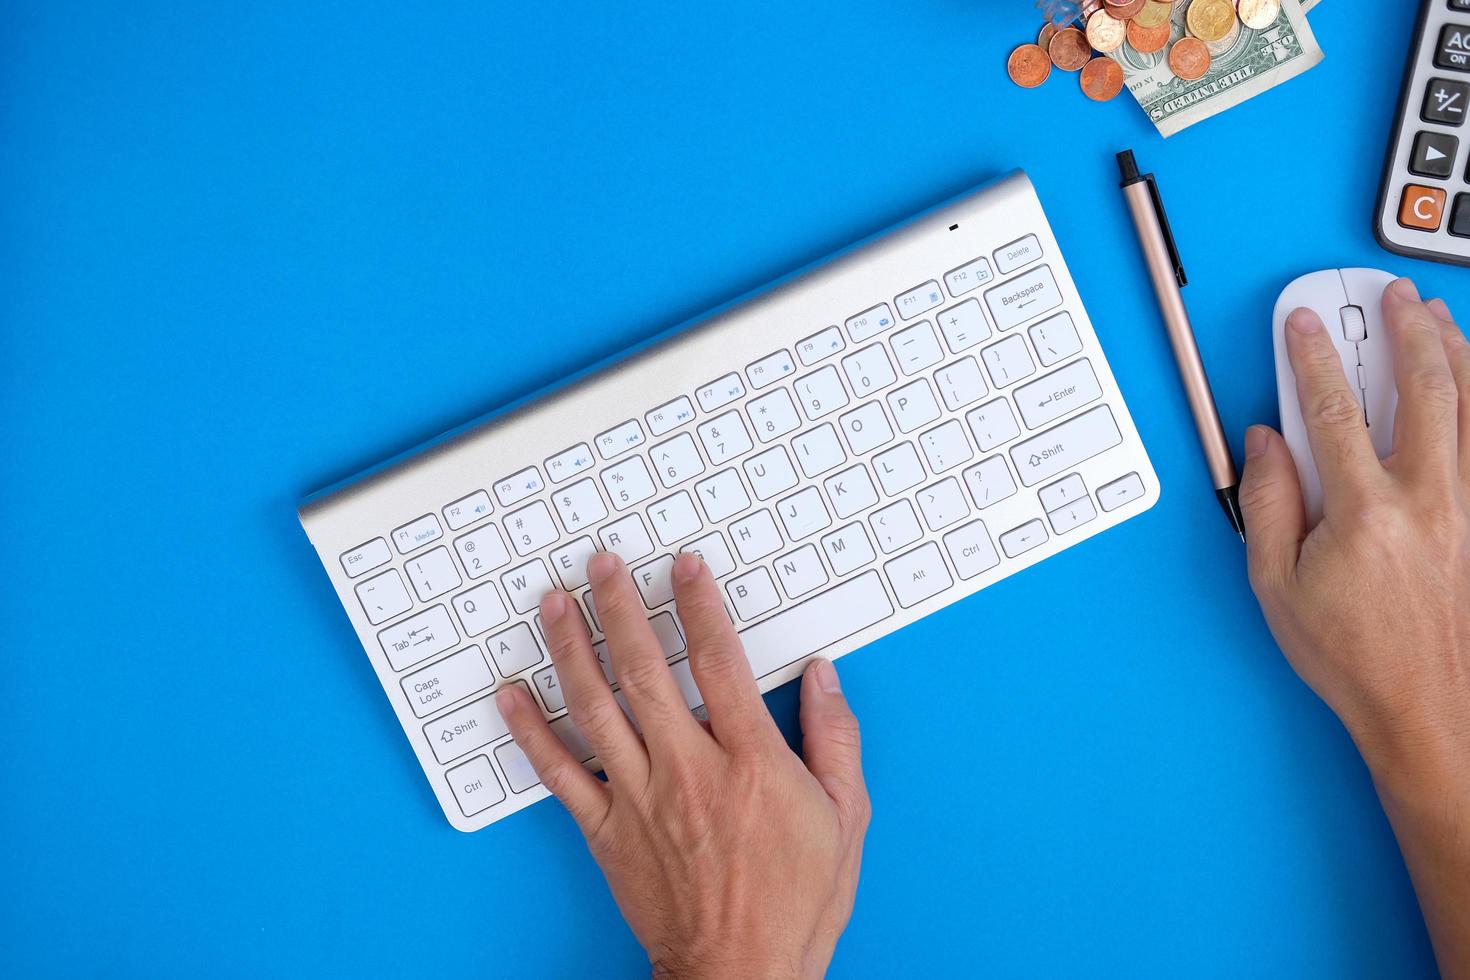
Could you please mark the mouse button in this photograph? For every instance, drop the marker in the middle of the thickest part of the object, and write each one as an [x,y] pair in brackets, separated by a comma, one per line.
[1354,325]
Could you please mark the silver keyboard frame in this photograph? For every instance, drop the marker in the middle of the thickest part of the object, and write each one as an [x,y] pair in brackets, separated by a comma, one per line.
[874,271]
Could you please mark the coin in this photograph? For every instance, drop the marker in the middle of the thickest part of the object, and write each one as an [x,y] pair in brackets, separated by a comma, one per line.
[1069,50]
[1258,14]
[1048,32]
[1102,78]
[1028,65]
[1124,9]
[1210,20]
[1217,48]
[1147,40]
[1189,58]
[1106,32]
[1154,13]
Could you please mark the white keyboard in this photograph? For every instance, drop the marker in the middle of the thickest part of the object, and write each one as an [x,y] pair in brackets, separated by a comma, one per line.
[851,449]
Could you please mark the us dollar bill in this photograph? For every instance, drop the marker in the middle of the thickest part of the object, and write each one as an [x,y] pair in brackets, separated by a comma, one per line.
[1243,65]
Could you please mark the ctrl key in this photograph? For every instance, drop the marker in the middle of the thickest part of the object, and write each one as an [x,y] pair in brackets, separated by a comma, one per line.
[475,786]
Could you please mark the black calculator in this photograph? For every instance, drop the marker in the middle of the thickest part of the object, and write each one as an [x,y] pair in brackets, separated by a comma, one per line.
[1424,202]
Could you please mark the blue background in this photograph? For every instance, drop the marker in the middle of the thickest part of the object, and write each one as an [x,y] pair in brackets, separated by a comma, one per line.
[250,249]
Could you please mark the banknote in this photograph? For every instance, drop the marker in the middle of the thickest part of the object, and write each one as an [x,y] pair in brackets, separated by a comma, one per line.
[1242,66]
[1307,5]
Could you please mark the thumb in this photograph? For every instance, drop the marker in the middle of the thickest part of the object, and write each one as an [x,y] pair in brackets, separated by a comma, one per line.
[831,743]
[1271,502]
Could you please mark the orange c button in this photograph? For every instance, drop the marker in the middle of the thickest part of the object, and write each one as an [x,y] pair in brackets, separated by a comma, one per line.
[1422,207]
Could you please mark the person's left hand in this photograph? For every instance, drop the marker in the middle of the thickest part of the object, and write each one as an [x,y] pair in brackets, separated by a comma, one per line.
[728,855]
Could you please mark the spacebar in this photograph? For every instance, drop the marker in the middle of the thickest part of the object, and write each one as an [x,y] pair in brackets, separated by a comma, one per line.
[818,622]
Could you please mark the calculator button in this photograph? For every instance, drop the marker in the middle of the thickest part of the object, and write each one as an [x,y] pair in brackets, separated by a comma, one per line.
[1453,51]
[1434,154]
[1460,217]
[1422,208]
[1445,102]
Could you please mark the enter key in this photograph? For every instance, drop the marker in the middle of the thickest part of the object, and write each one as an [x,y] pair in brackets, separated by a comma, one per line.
[1057,394]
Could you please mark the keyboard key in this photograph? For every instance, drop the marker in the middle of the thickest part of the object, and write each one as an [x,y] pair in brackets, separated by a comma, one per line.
[810,626]
[848,548]
[1072,515]
[899,468]
[820,345]
[626,538]
[821,392]
[753,594]
[868,370]
[818,451]
[1453,51]
[714,551]
[724,438]
[943,504]
[518,486]
[684,677]
[418,638]
[482,551]
[674,518]
[461,732]
[1019,540]
[1011,257]
[946,447]
[1023,298]
[851,491]
[365,557]
[570,561]
[803,514]
[669,416]
[619,439]
[654,581]
[1444,102]
[722,496]
[968,277]
[1059,393]
[756,536]
[549,686]
[770,369]
[970,549]
[432,574]
[989,481]
[869,323]
[416,534]
[1062,448]
[526,584]
[1055,339]
[480,609]
[918,575]
[1008,361]
[913,405]
[895,526]
[1434,155]
[772,415]
[519,772]
[916,348]
[920,299]
[800,571]
[720,392]
[770,473]
[579,505]
[475,786]
[628,483]
[866,428]
[960,383]
[452,679]
[1067,490]
[963,326]
[1422,207]
[566,730]
[531,528]
[467,510]
[1120,492]
[992,424]
[676,460]
[569,462]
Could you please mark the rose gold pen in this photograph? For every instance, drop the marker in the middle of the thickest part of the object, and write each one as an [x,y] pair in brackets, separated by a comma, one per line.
[1167,272]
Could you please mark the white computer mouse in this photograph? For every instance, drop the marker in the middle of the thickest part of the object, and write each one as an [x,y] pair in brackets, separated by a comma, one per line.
[1350,303]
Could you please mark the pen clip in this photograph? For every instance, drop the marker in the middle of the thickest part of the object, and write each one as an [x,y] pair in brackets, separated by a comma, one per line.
[1153,190]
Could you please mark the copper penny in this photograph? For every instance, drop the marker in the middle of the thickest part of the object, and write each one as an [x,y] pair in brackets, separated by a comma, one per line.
[1125,9]
[1102,79]
[1043,40]
[1028,65]
[1105,32]
[1069,50]
[1147,40]
[1189,58]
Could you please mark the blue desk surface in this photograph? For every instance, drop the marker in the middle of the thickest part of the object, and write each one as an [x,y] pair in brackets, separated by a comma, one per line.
[248,250]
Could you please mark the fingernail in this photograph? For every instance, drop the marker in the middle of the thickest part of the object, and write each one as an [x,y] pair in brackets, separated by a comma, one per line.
[1256,442]
[1304,321]
[553,607]
[687,566]
[601,565]
[826,676]
[1441,309]
[1405,289]
[505,700]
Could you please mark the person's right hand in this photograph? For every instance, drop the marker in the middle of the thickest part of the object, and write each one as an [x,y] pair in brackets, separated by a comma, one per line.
[1372,605]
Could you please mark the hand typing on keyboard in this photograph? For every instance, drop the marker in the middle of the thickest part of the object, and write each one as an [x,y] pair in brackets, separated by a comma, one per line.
[1372,606]
[726,853]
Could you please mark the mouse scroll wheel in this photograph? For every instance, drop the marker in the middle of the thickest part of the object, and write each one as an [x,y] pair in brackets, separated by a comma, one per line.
[1354,327]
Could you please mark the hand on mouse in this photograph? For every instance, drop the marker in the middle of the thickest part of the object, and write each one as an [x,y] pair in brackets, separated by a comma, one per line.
[1372,605]
[726,853]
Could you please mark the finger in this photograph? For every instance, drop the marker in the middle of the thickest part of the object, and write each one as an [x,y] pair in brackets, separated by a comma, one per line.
[637,659]
[716,657]
[1331,411]
[1425,438]
[590,700]
[583,794]
[831,743]
[1271,501]
[1457,350]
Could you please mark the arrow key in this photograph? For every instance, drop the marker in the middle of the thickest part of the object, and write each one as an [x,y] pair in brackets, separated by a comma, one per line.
[1434,155]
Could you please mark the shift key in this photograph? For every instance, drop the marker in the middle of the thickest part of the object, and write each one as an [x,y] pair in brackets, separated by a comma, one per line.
[1058,450]
[477,723]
